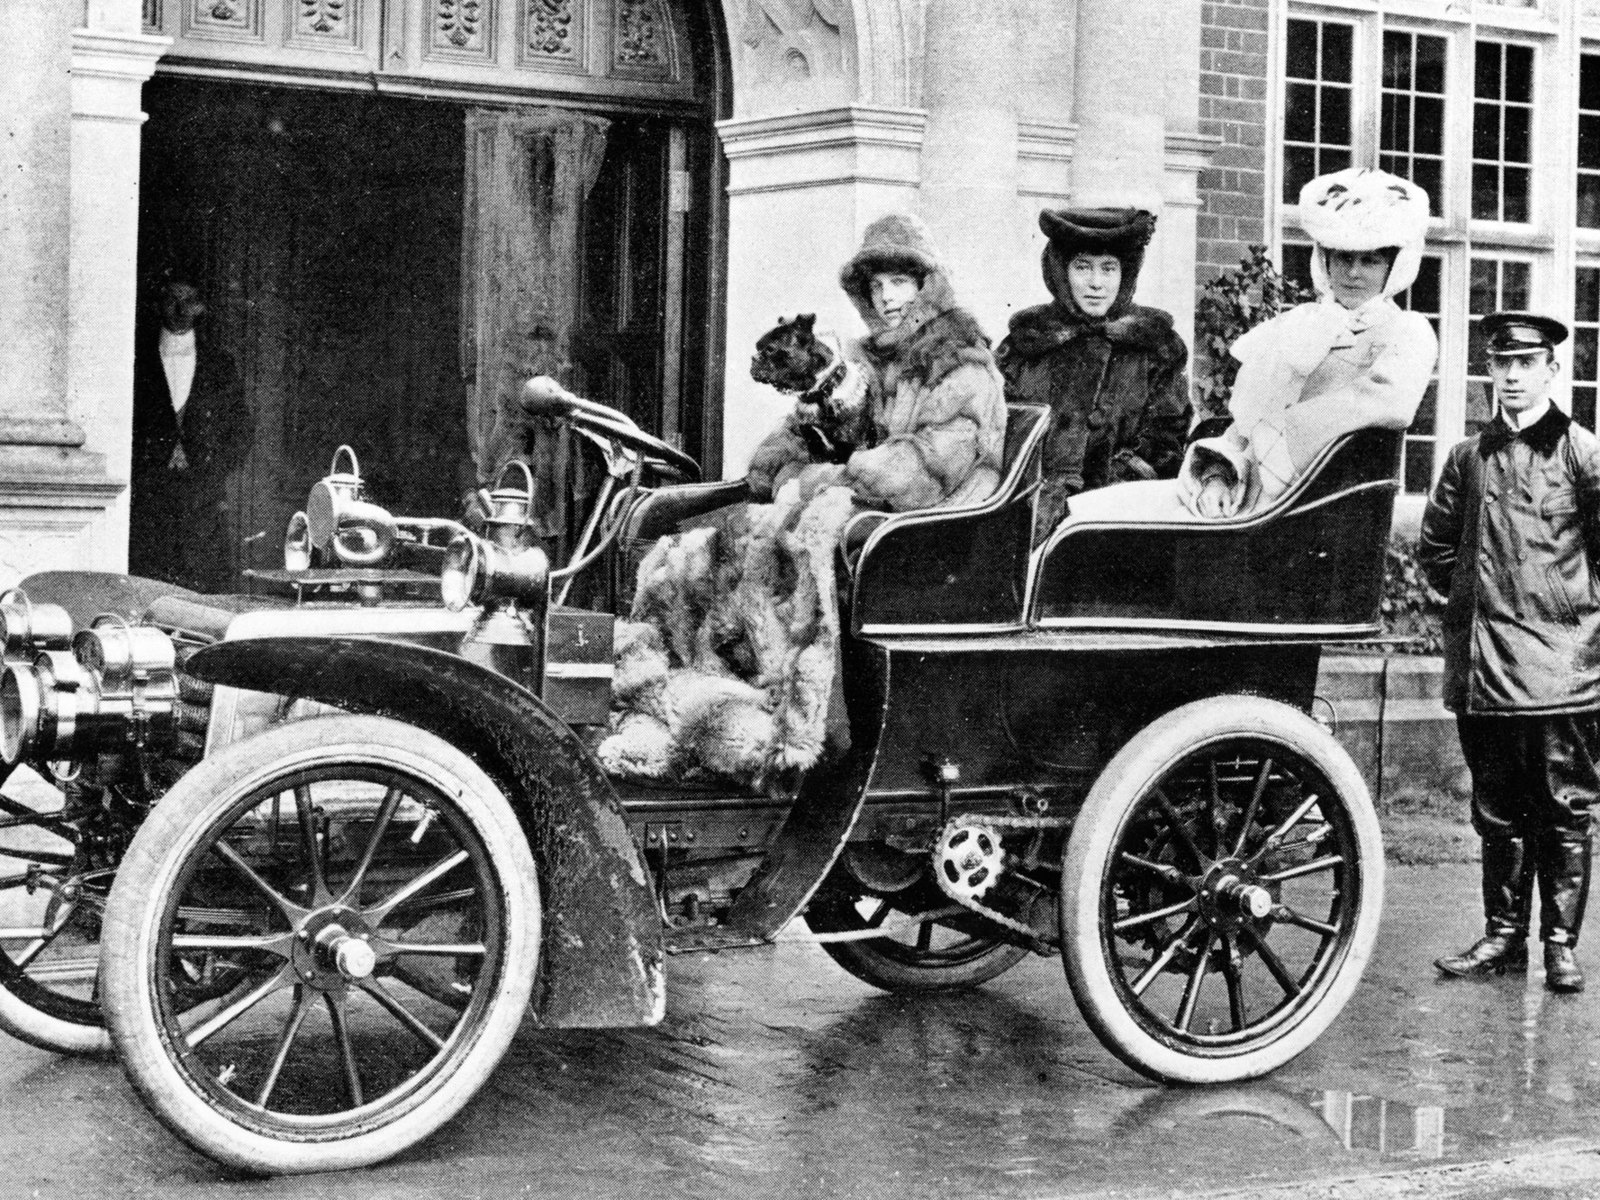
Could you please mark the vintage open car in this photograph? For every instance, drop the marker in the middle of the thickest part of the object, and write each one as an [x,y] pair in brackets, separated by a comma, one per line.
[309,857]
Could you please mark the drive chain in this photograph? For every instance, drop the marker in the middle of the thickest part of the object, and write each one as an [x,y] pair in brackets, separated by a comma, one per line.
[996,822]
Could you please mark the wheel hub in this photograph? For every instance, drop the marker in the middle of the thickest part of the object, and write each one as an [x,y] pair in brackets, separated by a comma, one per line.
[332,949]
[1230,896]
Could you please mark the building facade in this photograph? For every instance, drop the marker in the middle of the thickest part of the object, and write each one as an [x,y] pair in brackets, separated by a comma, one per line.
[351,180]
[1492,107]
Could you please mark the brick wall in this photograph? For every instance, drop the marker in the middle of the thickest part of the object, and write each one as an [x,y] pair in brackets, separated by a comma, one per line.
[1233,106]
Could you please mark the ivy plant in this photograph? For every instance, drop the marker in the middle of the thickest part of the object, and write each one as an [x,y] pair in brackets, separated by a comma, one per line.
[1236,300]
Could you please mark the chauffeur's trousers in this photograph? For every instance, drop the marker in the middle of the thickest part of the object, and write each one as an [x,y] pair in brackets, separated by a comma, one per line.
[1534,780]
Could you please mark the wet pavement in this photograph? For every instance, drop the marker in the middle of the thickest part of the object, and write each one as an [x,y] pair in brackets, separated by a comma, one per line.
[777,1075]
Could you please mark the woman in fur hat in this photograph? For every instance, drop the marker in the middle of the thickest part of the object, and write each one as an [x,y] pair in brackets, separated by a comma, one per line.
[938,400]
[1352,359]
[1111,371]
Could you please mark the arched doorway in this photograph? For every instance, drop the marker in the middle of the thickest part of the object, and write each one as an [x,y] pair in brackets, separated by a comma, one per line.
[333,179]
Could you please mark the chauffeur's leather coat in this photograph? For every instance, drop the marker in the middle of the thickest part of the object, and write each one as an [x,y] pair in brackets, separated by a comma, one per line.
[1512,535]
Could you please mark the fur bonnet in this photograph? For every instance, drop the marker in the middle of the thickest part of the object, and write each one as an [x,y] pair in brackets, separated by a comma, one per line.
[1363,209]
[897,242]
[1120,232]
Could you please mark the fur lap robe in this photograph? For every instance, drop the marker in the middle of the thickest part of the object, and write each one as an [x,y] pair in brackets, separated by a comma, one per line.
[726,668]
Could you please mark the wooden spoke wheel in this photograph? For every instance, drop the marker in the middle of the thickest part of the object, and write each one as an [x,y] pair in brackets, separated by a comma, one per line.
[946,955]
[320,945]
[1221,892]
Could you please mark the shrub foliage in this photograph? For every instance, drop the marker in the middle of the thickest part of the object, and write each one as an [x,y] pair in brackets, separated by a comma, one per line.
[1235,301]
[1410,609]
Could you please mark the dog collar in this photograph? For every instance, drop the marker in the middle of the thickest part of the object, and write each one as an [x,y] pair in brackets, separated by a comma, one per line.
[824,386]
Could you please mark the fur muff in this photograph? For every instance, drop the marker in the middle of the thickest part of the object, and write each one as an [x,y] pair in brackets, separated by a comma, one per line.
[726,667]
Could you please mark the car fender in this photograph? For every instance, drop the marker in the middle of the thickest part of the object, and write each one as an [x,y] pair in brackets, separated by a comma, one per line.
[601,963]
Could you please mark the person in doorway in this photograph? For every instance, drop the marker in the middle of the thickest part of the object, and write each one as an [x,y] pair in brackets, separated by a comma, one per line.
[1509,536]
[191,429]
[1111,371]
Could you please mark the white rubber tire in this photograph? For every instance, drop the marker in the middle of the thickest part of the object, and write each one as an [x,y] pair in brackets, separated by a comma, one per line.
[183,820]
[1146,759]
[27,1024]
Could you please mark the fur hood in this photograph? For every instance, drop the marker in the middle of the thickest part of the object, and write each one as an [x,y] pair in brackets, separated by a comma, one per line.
[1035,332]
[929,349]
[935,336]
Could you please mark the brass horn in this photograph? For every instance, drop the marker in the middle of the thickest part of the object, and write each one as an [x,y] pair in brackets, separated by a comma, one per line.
[342,523]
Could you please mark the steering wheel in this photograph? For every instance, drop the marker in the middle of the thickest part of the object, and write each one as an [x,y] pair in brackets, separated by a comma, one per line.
[544,397]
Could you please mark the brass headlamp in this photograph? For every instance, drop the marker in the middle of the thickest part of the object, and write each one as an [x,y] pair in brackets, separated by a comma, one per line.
[118,684]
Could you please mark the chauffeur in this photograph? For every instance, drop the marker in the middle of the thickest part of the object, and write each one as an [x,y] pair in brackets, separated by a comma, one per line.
[1510,535]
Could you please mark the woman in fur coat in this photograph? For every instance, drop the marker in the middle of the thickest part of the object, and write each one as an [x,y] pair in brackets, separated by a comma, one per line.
[1112,371]
[1353,359]
[938,402]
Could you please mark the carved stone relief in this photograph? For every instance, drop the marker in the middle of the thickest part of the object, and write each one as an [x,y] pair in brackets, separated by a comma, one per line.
[151,15]
[793,53]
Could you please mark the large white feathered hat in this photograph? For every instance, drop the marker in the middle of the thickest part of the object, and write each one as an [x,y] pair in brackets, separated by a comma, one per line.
[1363,209]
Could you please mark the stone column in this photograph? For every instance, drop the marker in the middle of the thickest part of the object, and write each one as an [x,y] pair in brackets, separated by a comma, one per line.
[111,60]
[1137,90]
[64,209]
[969,156]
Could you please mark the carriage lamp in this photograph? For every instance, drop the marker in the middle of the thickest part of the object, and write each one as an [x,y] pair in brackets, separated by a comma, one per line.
[118,683]
[477,571]
[26,627]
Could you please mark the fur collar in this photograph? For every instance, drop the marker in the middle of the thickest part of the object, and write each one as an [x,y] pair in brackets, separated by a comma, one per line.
[1542,435]
[935,347]
[1037,331]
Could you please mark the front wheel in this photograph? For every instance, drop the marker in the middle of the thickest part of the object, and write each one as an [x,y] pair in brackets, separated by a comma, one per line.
[320,944]
[1221,891]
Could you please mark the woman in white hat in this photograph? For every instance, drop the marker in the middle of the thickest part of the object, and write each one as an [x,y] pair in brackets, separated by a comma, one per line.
[1352,359]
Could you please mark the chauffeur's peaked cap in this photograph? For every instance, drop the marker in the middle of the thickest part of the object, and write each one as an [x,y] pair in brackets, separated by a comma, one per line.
[1508,333]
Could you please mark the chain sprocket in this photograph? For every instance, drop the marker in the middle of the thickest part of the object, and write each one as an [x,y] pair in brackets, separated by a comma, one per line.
[961,885]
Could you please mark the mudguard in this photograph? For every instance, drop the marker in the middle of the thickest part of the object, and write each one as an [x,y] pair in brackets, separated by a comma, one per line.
[601,961]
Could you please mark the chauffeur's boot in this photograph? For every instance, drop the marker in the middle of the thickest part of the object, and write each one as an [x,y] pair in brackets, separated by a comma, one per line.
[1563,895]
[1507,895]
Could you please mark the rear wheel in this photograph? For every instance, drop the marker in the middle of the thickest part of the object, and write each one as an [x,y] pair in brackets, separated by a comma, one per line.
[944,955]
[1221,892]
[320,945]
